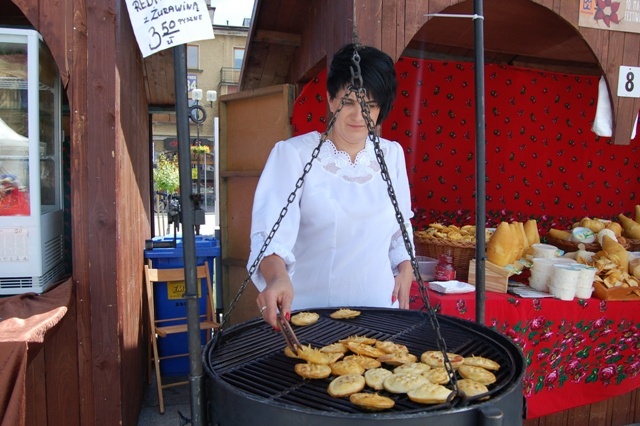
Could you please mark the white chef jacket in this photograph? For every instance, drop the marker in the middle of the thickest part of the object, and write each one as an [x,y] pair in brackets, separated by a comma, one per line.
[340,239]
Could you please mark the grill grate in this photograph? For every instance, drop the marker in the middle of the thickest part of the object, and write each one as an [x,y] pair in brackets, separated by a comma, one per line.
[249,357]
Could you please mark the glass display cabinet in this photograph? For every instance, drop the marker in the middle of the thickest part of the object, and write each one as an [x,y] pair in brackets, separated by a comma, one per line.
[31,200]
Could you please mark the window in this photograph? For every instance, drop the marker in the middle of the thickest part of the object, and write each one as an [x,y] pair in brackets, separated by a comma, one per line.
[193,56]
[238,56]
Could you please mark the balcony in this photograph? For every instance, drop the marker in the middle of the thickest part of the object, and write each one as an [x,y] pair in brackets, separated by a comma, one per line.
[229,76]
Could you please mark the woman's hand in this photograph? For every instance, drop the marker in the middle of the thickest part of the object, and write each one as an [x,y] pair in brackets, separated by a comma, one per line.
[278,294]
[402,286]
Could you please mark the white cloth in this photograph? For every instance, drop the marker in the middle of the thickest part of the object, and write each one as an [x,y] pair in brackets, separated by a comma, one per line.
[339,239]
[603,121]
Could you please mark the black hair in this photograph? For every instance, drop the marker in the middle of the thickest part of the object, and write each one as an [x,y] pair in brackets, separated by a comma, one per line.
[377,70]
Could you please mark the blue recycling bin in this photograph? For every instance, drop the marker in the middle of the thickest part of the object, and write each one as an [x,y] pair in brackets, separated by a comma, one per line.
[169,302]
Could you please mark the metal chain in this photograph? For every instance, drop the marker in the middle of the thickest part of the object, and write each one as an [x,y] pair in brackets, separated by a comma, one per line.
[384,171]
[357,87]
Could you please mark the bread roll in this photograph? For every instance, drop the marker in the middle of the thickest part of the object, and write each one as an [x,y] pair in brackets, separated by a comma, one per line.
[531,231]
[501,245]
[604,232]
[525,241]
[616,252]
[559,234]
[630,226]
[615,227]
[637,215]
[634,267]
[519,244]
[595,225]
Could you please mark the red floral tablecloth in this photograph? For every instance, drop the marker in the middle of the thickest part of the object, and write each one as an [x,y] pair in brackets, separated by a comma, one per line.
[577,352]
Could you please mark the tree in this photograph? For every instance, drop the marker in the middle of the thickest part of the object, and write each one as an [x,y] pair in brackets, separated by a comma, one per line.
[166,174]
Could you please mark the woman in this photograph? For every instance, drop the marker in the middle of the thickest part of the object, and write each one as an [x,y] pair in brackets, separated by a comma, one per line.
[339,243]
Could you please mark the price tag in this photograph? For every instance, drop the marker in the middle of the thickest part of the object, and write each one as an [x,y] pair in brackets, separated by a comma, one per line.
[629,82]
[160,24]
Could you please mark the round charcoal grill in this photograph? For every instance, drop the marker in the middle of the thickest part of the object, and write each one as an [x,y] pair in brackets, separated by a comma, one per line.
[252,382]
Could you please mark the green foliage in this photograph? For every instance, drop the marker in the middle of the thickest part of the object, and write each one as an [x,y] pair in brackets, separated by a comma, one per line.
[166,174]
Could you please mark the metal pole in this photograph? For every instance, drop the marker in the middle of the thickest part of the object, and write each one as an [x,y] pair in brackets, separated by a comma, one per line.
[216,171]
[480,160]
[188,237]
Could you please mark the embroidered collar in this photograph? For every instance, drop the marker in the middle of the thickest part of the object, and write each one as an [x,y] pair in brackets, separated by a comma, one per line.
[338,163]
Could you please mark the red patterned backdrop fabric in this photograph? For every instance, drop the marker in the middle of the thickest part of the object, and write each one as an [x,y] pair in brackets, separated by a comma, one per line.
[542,159]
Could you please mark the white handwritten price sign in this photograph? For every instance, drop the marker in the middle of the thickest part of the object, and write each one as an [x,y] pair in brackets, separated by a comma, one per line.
[629,82]
[161,24]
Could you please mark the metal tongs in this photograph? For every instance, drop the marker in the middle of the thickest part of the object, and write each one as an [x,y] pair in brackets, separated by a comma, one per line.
[289,336]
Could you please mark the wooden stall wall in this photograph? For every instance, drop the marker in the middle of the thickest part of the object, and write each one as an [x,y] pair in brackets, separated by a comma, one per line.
[251,123]
[133,218]
[623,410]
[52,375]
[96,52]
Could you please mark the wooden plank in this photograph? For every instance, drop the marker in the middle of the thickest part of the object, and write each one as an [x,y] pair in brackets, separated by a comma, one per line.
[570,11]
[400,38]
[132,162]
[278,37]
[635,405]
[620,410]
[549,4]
[248,147]
[245,149]
[78,97]
[246,307]
[627,108]
[36,386]
[599,414]
[367,22]
[240,263]
[578,416]
[240,173]
[62,371]
[389,29]
[240,197]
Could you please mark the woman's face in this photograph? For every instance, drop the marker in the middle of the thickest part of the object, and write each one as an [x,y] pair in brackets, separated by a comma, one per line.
[350,126]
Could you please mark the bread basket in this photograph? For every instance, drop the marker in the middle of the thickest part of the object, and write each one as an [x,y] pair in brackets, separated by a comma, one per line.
[571,246]
[462,252]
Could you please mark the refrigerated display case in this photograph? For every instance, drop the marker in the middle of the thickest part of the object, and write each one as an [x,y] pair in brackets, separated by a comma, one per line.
[32,255]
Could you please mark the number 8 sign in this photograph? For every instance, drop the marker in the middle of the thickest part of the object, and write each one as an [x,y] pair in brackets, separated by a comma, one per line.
[629,82]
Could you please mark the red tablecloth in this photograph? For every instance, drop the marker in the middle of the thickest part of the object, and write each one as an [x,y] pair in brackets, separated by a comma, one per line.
[577,352]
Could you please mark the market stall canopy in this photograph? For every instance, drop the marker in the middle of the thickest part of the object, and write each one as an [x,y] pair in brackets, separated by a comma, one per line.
[516,32]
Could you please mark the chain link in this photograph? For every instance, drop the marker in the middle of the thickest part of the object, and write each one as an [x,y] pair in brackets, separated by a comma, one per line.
[384,171]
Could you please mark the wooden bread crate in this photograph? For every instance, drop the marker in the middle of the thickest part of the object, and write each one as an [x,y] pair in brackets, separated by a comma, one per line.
[496,278]
[602,292]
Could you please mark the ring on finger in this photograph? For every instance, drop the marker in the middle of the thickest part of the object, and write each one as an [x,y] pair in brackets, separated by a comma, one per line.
[264,308]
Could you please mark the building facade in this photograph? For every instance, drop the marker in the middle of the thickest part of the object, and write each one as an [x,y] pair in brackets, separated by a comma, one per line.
[213,69]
